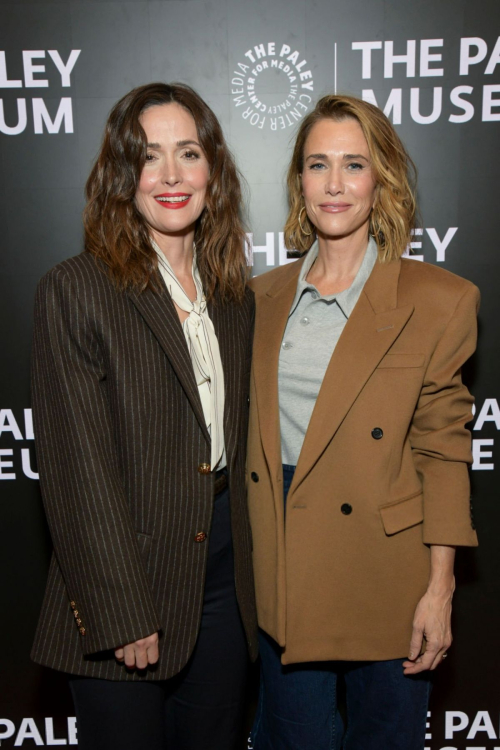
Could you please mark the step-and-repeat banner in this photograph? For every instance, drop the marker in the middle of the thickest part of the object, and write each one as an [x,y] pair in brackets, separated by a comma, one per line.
[433,66]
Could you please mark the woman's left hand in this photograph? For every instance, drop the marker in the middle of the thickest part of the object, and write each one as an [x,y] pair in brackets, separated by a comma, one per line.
[432,618]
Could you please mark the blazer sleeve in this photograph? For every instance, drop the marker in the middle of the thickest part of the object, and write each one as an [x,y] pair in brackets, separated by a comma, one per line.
[92,531]
[441,444]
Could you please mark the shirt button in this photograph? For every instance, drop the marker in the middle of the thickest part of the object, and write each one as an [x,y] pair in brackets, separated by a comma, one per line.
[287,345]
[314,295]
[346,509]
[305,321]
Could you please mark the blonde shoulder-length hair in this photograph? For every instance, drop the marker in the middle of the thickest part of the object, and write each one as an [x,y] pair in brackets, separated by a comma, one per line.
[393,216]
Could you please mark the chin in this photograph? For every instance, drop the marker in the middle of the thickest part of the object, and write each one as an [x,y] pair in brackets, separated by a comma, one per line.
[334,232]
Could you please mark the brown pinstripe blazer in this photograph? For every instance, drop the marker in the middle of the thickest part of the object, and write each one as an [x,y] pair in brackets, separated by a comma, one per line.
[120,434]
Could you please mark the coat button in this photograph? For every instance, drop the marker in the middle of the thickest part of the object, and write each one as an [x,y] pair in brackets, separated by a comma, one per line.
[82,630]
[254,476]
[200,536]
[78,621]
[75,613]
[72,605]
[346,509]
[377,433]
[204,468]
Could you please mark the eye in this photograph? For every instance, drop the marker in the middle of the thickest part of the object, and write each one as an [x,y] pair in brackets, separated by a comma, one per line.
[150,157]
[191,155]
[355,166]
[317,166]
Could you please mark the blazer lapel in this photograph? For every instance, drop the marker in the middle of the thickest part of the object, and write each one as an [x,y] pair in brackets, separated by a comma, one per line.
[225,326]
[374,325]
[270,323]
[160,315]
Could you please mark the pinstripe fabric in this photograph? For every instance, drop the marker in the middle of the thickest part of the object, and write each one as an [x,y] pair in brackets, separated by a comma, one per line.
[120,434]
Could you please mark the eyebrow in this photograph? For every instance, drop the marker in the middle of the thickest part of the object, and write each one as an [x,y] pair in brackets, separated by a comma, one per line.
[355,156]
[346,156]
[179,144]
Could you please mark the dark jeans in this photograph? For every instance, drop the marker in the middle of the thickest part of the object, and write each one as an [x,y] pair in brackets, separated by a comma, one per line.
[202,707]
[298,703]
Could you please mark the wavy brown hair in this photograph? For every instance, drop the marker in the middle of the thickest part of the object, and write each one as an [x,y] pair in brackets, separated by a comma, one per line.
[394,213]
[116,232]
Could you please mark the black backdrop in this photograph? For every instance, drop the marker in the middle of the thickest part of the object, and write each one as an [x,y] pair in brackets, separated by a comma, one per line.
[435,69]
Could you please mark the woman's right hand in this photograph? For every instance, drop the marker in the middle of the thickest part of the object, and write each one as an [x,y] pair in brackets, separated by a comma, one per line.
[139,654]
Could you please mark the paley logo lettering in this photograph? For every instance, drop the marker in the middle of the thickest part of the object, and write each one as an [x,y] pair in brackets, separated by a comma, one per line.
[29,732]
[428,243]
[44,119]
[423,59]
[273,86]
[480,727]
[13,460]
[487,423]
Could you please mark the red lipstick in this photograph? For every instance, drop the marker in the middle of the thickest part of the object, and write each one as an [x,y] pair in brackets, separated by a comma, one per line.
[173,200]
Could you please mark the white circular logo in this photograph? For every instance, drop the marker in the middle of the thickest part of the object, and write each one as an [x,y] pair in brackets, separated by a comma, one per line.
[273,88]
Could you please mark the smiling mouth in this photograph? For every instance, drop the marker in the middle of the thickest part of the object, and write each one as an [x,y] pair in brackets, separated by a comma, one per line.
[172,199]
[334,207]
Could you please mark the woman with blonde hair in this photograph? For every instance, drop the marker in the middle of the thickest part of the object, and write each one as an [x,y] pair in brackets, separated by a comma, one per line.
[358,450]
[141,371]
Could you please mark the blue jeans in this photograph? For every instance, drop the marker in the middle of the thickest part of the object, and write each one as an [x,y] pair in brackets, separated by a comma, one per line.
[298,703]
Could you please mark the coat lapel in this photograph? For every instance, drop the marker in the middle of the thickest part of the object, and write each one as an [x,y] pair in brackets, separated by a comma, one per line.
[225,326]
[159,313]
[374,325]
[271,318]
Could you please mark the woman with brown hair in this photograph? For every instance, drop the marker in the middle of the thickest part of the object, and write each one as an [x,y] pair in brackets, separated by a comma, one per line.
[140,384]
[358,449]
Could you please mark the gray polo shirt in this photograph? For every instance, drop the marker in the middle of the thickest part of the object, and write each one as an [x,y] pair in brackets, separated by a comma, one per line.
[314,326]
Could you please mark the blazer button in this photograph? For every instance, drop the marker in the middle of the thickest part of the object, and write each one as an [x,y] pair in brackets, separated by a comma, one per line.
[254,476]
[377,433]
[200,536]
[204,468]
[82,630]
[346,509]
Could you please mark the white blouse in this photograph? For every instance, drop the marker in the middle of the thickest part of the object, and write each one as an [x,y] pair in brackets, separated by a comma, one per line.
[204,349]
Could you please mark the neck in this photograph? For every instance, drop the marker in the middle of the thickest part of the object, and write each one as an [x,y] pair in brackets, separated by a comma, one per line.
[178,250]
[339,258]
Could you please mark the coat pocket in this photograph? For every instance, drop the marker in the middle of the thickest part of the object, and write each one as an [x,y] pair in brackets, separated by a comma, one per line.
[402,514]
[402,360]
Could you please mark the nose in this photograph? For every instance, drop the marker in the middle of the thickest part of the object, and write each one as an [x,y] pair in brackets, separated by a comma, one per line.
[171,174]
[335,182]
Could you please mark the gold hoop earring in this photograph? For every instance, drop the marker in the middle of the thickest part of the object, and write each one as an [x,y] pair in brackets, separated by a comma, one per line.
[307,234]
